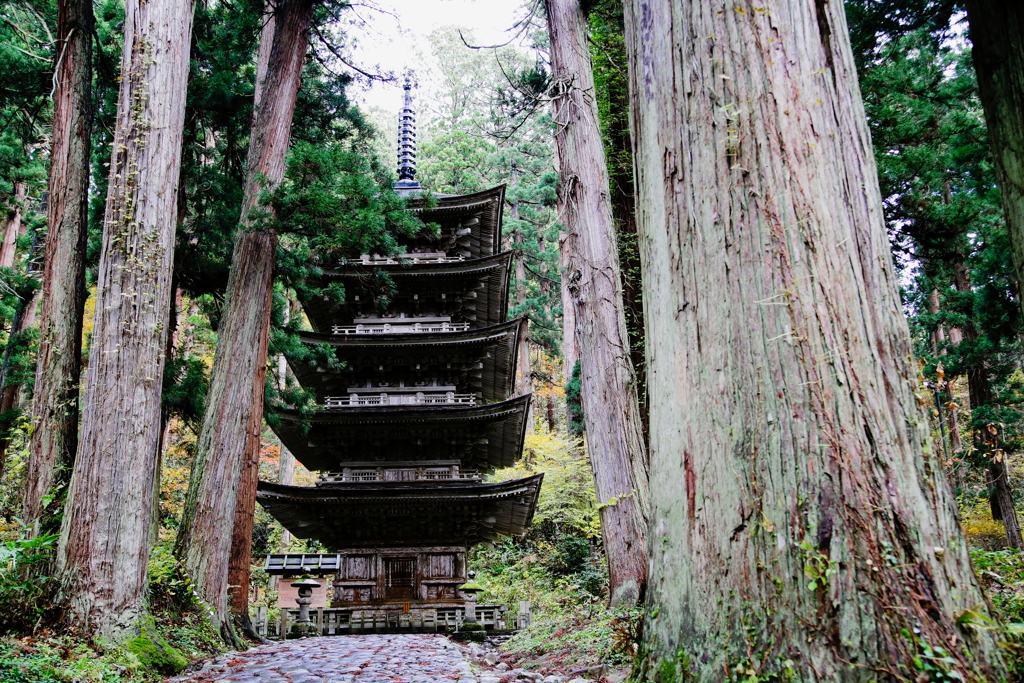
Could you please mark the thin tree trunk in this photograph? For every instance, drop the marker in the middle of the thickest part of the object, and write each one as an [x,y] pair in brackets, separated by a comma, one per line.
[285,460]
[802,528]
[570,346]
[1000,493]
[104,545]
[15,227]
[54,437]
[997,37]
[955,442]
[988,437]
[240,560]
[524,373]
[939,335]
[286,475]
[237,383]
[24,319]
[591,274]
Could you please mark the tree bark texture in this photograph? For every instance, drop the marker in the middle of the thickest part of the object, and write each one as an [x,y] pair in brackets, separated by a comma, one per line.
[997,36]
[235,400]
[524,371]
[263,56]
[570,348]
[802,526]
[285,459]
[594,286]
[240,560]
[104,545]
[55,396]
[14,226]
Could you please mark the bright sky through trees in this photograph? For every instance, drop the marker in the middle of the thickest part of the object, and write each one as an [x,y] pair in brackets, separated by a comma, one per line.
[398,41]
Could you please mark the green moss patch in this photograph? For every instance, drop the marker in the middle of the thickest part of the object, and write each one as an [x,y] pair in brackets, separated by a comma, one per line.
[156,654]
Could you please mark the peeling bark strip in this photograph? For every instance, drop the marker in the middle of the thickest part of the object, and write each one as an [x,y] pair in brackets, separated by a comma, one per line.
[234,404]
[593,287]
[997,36]
[104,545]
[821,537]
[55,396]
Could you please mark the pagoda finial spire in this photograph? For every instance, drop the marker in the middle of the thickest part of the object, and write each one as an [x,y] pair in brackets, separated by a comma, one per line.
[407,142]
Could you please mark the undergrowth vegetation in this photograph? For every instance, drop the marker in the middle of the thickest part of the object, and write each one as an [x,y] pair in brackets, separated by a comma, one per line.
[558,567]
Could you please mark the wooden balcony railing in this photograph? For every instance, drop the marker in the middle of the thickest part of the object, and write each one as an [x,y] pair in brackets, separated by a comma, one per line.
[375,260]
[399,399]
[392,328]
[403,474]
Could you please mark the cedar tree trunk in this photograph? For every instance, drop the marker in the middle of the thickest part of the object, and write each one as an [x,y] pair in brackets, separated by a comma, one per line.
[524,371]
[234,404]
[105,535]
[802,528]
[988,437]
[240,560]
[285,461]
[55,396]
[591,276]
[24,319]
[997,36]
[14,226]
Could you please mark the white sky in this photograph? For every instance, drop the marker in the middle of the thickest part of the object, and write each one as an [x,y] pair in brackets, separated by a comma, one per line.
[397,42]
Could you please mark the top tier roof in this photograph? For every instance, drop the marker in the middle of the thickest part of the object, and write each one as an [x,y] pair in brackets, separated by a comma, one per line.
[470,223]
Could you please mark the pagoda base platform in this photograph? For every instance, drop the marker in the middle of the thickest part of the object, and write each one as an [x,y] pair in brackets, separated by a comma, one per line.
[495,619]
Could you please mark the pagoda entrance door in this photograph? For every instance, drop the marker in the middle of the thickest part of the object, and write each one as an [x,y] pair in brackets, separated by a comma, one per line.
[399,578]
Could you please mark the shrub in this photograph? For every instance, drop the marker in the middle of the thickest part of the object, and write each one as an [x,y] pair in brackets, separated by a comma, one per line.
[23,584]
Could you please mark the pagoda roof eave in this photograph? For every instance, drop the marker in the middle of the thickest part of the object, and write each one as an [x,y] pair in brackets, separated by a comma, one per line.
[479,335]
[427,514]
[488,277]
[483,437]
[451,269]
[450,200]
[360,493]
[490,204]
[494,347]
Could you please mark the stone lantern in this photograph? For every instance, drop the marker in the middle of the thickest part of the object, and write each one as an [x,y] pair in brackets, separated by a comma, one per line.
[303,625]
[469,590]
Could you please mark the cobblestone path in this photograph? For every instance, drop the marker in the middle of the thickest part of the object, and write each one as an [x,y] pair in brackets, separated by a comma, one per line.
[402,658]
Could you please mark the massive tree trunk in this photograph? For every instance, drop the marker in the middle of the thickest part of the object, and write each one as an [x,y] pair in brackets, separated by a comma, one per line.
[235,400]
[14,226]
[104,546]
[613,98]
[55,396]
[802,527]
[997,36]
[594,286]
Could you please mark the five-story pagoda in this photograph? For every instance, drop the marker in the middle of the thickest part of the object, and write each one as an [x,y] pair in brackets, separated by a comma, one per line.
[418,413]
